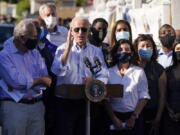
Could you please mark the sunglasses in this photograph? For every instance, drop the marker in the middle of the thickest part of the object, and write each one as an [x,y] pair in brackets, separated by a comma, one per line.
[83,29]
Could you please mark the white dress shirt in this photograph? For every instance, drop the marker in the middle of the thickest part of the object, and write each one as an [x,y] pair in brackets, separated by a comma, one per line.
[75,69]
[135,88]
[165,59]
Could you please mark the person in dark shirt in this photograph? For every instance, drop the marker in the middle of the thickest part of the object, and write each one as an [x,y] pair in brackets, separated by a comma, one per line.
[146,55]
[172,113]
[167,36]
[98,32]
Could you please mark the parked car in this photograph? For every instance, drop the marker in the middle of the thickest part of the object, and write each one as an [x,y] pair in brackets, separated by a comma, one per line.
[6,31]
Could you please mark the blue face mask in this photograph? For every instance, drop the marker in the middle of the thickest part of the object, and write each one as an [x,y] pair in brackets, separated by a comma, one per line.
[122,35]
[124,57]
[145,53]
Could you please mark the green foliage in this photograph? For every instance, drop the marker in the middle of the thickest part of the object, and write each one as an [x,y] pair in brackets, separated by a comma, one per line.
[81,2]
[19,19]
[23,5]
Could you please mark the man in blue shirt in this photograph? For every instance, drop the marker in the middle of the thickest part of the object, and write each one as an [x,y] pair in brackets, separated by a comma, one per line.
[23,77]
[69,67]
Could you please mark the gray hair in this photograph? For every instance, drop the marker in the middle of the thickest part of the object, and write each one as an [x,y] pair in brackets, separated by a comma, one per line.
[79,18]
[47,5]
[24,27]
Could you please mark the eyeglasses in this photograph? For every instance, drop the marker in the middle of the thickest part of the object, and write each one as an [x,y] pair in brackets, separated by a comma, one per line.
[83,29]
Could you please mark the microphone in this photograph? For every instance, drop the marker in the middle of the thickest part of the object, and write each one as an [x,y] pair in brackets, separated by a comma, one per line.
[92,68]
[97,62]
[88,64]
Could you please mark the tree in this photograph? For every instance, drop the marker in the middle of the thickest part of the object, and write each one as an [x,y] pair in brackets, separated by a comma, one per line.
[81,2]
[23,6]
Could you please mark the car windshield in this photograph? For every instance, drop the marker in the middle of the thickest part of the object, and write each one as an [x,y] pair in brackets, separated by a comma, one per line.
[6,32]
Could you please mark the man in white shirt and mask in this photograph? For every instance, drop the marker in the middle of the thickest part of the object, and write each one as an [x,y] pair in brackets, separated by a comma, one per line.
[56,34]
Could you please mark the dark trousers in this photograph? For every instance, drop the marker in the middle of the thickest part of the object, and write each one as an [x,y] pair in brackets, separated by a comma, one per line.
[99,119]
[170,127]
[70,117]
[137,130]
[148,117]
[49,102]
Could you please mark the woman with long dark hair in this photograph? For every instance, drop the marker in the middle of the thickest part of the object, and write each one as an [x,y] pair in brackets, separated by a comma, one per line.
[121,30]
[146,55]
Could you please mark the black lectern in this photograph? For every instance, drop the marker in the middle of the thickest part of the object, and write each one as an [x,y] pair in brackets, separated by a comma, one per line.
[91,92]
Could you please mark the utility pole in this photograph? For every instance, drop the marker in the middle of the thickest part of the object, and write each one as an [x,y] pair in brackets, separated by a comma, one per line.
[0,7]
[175,13]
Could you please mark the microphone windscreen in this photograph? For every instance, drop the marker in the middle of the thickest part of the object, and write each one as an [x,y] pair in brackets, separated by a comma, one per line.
[96,61]
[87,62]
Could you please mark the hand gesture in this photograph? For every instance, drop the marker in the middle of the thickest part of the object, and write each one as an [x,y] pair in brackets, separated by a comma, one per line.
[70,39]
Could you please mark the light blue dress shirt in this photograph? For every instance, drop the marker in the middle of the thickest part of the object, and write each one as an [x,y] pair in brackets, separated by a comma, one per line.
[17,70]
[75,69]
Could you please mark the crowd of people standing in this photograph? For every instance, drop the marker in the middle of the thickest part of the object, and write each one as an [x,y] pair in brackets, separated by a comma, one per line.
[42,55]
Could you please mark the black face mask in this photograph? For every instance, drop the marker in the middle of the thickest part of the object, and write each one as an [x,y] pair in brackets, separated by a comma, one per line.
[31,44]
[177,55]
[167,40]
[98,36]
[124,57]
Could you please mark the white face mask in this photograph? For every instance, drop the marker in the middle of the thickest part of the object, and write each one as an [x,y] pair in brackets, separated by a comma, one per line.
[51,22]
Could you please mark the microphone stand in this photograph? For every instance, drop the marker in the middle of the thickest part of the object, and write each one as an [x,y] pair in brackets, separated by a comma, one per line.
[88,118]
[88,103]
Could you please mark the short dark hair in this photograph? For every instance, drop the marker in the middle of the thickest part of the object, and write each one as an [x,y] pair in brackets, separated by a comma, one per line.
[166,26]
[100,20]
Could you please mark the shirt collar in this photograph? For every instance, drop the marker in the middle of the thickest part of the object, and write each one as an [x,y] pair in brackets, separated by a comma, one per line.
[78,47]
[116,69]
[161,52]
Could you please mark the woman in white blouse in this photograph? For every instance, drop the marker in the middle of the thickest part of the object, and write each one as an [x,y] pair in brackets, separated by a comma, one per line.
[125,112]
